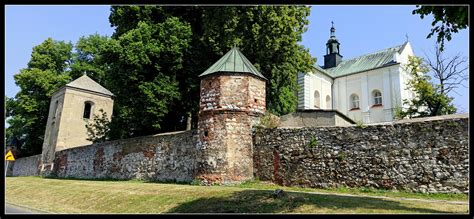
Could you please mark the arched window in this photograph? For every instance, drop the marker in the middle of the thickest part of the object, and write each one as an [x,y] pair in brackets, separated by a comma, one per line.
[316,100]
[354,101]
[377,96]
[87,110]
[328,102]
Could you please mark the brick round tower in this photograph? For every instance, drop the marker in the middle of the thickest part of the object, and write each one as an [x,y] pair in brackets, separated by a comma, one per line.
[232,99]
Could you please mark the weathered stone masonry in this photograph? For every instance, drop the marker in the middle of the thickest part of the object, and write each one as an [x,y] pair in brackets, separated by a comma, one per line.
[230,104]
[162,157]
[427,156]
[27,166]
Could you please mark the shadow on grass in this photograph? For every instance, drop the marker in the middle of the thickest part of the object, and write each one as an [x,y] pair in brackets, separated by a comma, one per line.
[261,201]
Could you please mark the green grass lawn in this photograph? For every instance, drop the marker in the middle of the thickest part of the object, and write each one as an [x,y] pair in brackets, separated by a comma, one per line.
[92,196]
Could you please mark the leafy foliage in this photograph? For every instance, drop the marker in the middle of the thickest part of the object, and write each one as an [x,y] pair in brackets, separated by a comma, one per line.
[452,18]
[360,124]
[98,129]
[27,112]
[429,100]
[145,64]
[267,35]
[313,142]
[269,120]
[91,57]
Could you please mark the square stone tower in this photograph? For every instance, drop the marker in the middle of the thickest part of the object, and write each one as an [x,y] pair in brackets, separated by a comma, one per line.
[232,100]
[71,108]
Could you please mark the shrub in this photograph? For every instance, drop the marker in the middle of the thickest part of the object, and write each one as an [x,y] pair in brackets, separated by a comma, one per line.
[341,156]
[313,142]
[360,124]
[269,120]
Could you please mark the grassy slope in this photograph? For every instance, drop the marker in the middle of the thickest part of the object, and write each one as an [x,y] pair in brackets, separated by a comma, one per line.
[83,196]
[361,191]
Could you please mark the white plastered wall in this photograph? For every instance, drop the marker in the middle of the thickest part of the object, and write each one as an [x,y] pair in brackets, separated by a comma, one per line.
[308,84]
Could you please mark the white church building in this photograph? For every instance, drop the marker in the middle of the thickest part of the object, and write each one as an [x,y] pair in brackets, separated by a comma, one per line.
[367,88]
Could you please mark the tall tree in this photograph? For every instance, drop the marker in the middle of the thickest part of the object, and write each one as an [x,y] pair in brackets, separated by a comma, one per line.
[447,20]
[429,99]
[91,57]
[449,72]
[144,64]
[268,35]
[27,112]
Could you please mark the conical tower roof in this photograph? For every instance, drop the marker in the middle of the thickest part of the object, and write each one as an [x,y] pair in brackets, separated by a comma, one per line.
[86,83]
[233,61]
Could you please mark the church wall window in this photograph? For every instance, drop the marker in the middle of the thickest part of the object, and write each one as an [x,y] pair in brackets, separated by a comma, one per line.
[377,97]
[316,99]
[87,110]
[354,102]
[328,102]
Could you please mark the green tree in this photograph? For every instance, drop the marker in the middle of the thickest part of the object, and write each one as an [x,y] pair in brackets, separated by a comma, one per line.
[268,35]
[91,57]
[447,20]
[429,99]
[98,130]
[144,65]
[27,112]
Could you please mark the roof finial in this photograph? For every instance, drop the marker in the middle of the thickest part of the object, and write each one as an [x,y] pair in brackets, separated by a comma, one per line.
[406,35]
[84,73]
[333,30]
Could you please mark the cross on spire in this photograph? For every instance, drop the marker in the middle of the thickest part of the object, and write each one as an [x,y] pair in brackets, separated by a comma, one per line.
[406,35]
[332,22]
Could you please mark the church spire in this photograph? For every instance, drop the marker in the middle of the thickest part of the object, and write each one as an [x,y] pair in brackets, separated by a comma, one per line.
[333,44]
[332,57]
[333,31]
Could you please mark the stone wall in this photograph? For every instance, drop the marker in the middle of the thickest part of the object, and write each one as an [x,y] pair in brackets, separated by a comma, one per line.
[162,157]
[26,166]
[423,156]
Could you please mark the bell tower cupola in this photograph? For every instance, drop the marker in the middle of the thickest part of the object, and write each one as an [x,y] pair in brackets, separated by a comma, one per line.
[332,57]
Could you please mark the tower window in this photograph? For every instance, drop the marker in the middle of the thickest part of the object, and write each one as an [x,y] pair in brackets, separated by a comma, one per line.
[87,110]
[354,101]
[377,95]
[316,99]
[55,113]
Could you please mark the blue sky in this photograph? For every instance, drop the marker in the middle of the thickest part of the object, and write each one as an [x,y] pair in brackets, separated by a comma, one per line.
[360,30]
